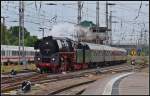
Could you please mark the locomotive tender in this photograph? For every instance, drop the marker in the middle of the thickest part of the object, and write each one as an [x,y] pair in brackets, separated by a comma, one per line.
[58,54]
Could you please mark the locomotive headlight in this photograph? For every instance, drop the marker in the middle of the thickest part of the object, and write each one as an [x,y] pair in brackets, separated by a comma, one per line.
[53,59]
[62,59]
[38,58]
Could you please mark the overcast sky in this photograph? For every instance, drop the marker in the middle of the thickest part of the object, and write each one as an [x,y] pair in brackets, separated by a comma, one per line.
[127,30]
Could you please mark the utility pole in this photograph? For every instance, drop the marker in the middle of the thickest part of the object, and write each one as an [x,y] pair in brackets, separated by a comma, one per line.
[106,36]
[140,40]
[79,18]
[3,33]
[97,21]
[21,34]
[97,13]
[145,36]
[106,14]
[79,12]
[110,22]
[19,31]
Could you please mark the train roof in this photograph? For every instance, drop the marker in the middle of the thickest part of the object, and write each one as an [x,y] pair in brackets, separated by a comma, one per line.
[119,49]
[56,38]
[12,47]
[102,47]
[95,46]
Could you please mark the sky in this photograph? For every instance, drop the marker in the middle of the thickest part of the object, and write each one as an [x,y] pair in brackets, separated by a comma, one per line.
[39,14]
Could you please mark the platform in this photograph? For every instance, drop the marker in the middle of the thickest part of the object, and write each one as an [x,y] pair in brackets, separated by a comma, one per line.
[126,83]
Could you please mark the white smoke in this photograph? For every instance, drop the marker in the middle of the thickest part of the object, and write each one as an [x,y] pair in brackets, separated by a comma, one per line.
[63,30]
[69,30]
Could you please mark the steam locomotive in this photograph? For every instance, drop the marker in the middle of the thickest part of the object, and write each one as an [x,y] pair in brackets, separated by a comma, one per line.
[57,54]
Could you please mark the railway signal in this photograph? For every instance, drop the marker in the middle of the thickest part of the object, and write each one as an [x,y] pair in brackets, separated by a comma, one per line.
[133,52]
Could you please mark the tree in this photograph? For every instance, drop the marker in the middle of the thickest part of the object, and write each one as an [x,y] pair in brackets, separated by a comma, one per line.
[15,31]
[30,41]
[12,36]
[4,32]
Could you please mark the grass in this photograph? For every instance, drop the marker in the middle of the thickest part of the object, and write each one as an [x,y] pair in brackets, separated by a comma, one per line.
[18,68]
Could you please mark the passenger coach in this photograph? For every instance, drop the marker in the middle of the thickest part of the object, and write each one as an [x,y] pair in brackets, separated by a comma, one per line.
[10,54]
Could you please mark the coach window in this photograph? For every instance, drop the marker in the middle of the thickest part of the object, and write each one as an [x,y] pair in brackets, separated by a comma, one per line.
[8,53]
[31,53]
[3,53]
[27,53]
[16,53]
[13,53]
[108,53]
[96,53]
[101,52]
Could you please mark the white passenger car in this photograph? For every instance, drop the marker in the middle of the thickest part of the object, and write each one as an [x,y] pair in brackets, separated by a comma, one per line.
[10,53]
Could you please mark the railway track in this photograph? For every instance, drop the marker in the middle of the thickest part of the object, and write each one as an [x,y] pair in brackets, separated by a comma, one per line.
[45,78]
[23,71]
[15,78]
[13,85]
